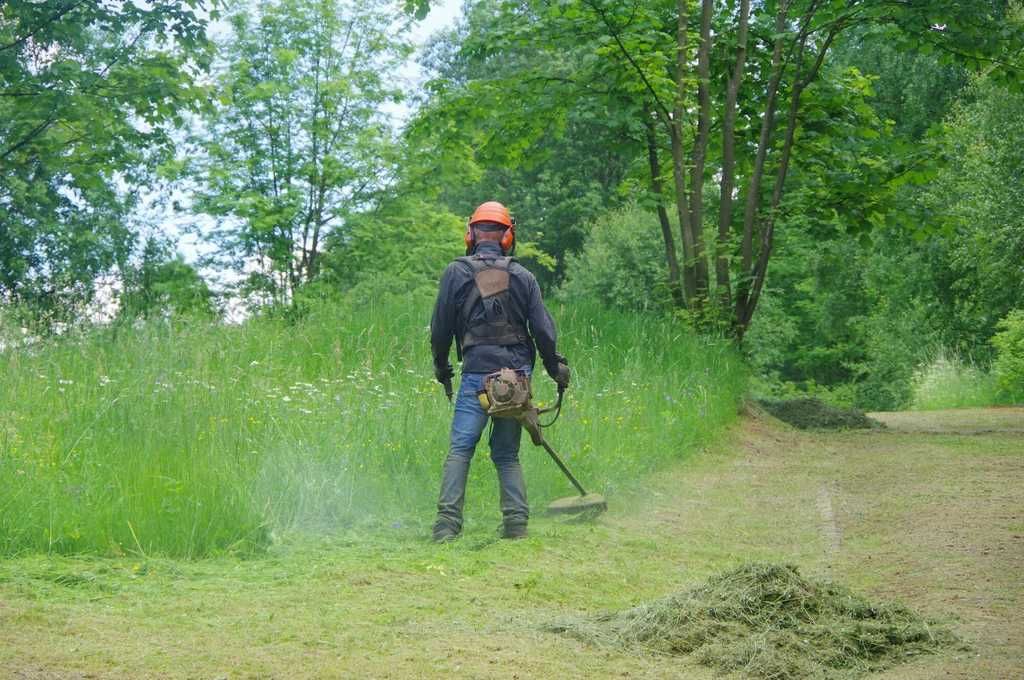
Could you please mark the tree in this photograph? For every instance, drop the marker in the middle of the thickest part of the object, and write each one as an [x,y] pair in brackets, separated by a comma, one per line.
[976,266]
[558,173]
[749,72]
[913,89]
[162,284]
[295,140]
[857,317]
[87,91]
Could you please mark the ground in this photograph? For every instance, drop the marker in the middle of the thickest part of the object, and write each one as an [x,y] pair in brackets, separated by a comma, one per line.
[929,511]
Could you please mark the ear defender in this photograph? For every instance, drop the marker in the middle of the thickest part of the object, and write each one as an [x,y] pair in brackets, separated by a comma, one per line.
[508,240]
[468,238]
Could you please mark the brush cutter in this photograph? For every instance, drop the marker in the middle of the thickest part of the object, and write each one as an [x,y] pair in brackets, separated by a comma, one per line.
[506,394]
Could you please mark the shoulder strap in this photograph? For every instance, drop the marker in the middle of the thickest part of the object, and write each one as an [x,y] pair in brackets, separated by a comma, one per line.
[490,278]
[478,263]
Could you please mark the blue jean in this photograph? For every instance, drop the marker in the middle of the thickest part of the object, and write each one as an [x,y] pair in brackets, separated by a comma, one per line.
[468,425]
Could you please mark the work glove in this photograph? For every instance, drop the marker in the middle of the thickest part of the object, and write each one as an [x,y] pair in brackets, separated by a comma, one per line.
[562,377]
[443,373]
[560,374]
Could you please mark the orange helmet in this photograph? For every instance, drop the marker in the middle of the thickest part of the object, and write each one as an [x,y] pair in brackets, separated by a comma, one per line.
[494,212]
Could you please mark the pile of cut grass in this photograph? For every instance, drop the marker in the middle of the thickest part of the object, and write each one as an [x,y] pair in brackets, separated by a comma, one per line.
[767,621]
[808,413]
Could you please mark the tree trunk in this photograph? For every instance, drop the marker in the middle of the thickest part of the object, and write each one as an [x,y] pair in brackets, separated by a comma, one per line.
[678,165]
[745,311]
[700,148]
[671,258]
[754,185]
[728,183]
[760,271]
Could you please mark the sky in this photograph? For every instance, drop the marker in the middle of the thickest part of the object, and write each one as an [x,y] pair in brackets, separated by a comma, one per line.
[443,14]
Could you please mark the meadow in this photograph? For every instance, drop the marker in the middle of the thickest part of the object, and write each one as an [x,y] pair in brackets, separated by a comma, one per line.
[191,440]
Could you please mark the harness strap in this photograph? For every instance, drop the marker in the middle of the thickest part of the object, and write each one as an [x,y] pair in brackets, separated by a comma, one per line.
[491,288]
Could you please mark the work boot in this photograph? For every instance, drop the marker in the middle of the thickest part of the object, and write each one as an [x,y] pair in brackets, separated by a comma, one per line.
[444,532]
[513,529]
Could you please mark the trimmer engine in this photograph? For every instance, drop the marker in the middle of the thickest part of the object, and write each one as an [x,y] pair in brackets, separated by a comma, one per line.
[506,394]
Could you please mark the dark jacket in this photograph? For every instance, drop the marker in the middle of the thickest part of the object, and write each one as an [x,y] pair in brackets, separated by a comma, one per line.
[446,324]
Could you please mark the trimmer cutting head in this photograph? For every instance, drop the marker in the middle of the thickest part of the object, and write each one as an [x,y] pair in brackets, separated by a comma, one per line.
[575,505]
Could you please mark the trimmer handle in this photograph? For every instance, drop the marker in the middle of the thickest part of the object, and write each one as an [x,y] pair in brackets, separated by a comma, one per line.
[557,405]
[448,388]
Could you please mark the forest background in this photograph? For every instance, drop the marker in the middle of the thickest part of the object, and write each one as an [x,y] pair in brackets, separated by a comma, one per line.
[834,185]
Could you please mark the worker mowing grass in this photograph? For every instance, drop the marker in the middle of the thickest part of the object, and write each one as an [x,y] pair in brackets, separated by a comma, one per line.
[491,306]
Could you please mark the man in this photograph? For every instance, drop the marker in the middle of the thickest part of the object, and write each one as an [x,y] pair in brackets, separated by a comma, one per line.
[491,306]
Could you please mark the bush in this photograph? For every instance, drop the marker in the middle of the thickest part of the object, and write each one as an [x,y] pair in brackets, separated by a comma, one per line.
[883,377]
[1008,367]
[402,247]
[620,265]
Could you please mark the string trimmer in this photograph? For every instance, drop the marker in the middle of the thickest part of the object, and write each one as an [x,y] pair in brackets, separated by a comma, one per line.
[506,394]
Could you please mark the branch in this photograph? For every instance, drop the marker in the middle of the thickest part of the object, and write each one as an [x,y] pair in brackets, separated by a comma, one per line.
[660,107]
[39,129]
[56,16]
[86,91]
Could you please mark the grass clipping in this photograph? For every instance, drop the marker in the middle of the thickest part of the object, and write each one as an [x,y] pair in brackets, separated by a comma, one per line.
[767,621]
[808,413]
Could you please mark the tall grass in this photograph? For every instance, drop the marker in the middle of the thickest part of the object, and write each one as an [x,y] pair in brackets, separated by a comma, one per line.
[187,440]
[951,382]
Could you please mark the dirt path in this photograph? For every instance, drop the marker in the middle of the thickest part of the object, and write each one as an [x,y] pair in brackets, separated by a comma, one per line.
[913,512]
[999,420]
[929,511]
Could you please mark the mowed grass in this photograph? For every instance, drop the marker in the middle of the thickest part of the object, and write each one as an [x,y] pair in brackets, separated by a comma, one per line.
[191,440]
[929,520]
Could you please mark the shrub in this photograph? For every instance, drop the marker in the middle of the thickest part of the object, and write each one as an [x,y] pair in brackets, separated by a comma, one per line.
[619,265]
[1008,367]
[402,247]
[883,377]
